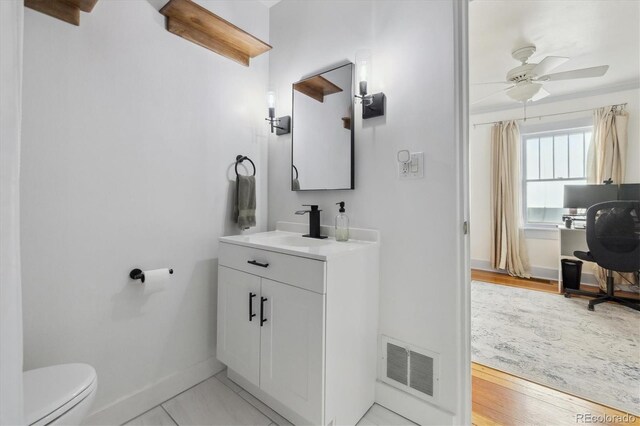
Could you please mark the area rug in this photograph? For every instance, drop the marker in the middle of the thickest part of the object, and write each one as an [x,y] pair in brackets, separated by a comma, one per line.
[556,342]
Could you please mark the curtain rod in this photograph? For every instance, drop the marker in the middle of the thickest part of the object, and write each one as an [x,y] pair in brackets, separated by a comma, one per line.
[546,115]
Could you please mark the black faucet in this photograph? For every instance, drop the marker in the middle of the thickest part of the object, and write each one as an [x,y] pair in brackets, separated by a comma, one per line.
[314,221]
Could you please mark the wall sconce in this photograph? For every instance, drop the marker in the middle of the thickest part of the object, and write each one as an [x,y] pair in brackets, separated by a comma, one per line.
[282,125]
[372,105]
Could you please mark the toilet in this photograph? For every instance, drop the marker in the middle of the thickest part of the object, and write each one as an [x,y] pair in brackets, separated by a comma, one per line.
[59,395]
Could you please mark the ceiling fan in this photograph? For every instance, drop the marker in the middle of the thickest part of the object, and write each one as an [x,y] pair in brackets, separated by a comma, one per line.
[526,80]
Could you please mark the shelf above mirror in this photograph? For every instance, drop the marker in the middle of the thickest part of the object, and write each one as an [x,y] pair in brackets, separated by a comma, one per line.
[316,87]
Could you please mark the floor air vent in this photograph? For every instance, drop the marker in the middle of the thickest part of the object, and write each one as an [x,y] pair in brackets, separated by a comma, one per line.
[409,368]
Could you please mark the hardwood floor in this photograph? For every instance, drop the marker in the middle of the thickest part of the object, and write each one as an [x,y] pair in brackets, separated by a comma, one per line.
[549,286]
[504,279]
[502,399]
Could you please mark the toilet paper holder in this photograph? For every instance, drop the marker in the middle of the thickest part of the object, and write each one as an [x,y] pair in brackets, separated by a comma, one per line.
[138,274]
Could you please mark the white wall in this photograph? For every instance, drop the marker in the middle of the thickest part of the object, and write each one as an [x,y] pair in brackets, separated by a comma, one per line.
[412,44]
[129,136]
[543,253]
[11,36]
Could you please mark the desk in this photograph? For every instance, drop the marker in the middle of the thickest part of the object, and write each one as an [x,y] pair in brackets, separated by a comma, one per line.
[570,240]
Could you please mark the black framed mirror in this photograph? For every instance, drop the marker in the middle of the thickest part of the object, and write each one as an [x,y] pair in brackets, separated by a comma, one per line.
[322,133]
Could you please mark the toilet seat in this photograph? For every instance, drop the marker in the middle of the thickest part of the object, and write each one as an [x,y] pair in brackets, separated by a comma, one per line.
[50,392]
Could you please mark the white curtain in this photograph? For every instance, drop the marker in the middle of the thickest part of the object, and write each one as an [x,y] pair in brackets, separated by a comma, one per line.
[606,160]
[11,24]
[607,156]
[508,250]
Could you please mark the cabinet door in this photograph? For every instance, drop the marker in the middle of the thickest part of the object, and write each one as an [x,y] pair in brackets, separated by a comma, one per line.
[238,344]
[292,348]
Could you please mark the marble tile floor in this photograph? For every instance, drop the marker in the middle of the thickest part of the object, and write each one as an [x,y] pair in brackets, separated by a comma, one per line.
[219,401]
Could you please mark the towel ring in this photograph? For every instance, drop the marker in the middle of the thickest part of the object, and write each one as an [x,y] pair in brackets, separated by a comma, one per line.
[240,159]
[296,169]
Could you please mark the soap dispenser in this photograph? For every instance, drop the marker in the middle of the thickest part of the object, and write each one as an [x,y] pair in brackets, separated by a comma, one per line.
[342,224]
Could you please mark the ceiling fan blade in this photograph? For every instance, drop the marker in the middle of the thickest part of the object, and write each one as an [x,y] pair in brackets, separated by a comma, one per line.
[581,73]
[541,94]
[547,64]
[491,95]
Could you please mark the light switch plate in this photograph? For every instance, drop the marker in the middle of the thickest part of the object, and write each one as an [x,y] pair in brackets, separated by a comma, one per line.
[413,169]
[416,168]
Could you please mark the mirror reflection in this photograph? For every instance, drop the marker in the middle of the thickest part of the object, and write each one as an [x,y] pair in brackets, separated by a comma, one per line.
[322,141]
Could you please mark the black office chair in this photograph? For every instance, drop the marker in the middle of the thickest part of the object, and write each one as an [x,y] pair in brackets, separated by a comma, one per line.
[613,238]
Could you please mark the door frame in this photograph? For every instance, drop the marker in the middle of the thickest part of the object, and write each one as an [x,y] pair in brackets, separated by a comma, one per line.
[463,278]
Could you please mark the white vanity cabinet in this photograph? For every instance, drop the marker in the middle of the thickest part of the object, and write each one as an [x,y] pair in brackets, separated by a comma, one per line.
[297,324]
[238,335]
[279,348]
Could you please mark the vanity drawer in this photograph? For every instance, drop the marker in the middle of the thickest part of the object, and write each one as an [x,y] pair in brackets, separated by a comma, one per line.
[294,270]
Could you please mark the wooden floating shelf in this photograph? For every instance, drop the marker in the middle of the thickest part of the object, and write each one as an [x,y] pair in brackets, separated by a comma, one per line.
[65,10]
[346,122]
[316,87]
[202,27]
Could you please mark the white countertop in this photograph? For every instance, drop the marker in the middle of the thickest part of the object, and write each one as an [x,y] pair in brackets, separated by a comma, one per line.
[295,244]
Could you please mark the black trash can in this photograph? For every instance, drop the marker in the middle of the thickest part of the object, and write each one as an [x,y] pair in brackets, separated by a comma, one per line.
[571,273]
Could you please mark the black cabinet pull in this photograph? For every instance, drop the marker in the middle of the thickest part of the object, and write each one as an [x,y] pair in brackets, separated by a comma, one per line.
[251,314]
[254,262]
[262,318]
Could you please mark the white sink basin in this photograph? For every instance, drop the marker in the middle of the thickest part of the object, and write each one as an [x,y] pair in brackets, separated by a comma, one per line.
[300,241]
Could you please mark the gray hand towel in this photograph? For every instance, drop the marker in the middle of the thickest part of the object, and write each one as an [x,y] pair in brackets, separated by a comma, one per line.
[295,185]
[244,207]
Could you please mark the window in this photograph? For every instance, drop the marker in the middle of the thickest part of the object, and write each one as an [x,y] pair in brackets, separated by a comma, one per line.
[551,160]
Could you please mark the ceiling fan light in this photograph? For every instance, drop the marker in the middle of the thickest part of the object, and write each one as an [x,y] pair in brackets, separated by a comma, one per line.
[525,91]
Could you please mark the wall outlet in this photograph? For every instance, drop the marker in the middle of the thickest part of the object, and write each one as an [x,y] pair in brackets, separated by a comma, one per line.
[403,170]
[413,169]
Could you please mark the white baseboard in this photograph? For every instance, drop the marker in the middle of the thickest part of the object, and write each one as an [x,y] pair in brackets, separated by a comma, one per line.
[414,409]
[536,272]
[145,399]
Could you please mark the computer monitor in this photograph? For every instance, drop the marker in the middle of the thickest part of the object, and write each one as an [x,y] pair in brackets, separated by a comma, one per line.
[629,191]
[584,196]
